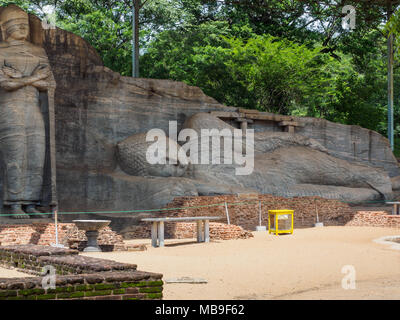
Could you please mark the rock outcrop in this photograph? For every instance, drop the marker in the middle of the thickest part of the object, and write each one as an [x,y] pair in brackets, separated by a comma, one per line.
[97,110]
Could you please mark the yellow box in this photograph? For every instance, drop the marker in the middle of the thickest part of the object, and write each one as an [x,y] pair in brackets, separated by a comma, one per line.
[280,221]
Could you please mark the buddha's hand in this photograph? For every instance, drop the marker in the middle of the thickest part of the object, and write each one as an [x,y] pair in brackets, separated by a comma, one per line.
[42,85]
[11,84]
[41,78]
[10,80]
[41,73]
[12,73]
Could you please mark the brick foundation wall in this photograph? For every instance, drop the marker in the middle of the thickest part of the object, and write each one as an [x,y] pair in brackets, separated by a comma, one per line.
[77,277]
[218,231]
[374,219]
[135,285]
[68,234]
[32,258]
[246,215]
[331,213]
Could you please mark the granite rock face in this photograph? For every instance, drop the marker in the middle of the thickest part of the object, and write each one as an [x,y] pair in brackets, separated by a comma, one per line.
[289,164]
[97,110]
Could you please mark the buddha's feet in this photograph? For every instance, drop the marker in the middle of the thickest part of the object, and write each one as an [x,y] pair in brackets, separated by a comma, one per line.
[17,212]
[31,210]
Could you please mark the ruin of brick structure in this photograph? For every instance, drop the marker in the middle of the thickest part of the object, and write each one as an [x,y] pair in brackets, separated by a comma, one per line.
[78,277]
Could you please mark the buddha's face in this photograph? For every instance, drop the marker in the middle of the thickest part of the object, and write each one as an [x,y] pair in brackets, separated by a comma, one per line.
[17,29]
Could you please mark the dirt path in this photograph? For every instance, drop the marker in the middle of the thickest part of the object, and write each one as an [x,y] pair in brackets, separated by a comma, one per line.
[7,273]
[305,265]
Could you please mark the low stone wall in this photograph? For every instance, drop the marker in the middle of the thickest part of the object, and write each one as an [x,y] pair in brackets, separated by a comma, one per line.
[77,277]
[134,285]
[68,235]
[218,231]
[244,212]
[374,219]
[32,259]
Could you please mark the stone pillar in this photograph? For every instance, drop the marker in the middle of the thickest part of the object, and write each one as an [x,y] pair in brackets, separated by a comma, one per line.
[244,124]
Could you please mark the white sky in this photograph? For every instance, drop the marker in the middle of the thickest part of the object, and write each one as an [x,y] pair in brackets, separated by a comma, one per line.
[48,9]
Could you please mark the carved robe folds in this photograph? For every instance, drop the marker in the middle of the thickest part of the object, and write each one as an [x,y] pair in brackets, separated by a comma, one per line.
[25,142]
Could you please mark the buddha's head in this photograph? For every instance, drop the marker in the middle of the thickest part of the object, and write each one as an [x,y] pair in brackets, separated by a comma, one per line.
[14,23]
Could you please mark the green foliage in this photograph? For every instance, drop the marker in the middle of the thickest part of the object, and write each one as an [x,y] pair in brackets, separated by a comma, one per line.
[109,38]
[34,6]
[251,71]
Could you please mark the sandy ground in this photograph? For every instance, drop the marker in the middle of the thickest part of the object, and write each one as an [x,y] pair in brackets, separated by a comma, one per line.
[7,273]
[305,265]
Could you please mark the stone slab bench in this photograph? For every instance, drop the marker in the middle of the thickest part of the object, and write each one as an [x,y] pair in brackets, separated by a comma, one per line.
[396,207]
[157,230]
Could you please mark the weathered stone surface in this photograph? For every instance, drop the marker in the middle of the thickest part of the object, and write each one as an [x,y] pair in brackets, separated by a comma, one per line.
[127,285]
[396,183]
[100,191]
[83,264]
[145,104]
[300,171]
[97,109]
[77,277]
[218,231]
[352,143]
[37,250]
[32,259]
[133,161]
[290,165]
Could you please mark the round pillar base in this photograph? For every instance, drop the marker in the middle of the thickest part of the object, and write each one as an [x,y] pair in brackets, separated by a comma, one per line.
[92,245]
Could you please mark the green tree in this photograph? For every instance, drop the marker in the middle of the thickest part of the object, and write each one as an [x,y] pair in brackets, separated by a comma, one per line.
[247,70]
[32,6]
